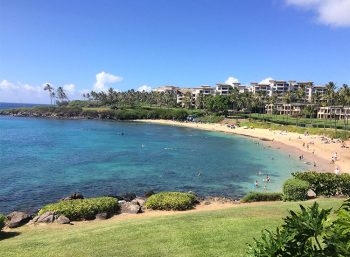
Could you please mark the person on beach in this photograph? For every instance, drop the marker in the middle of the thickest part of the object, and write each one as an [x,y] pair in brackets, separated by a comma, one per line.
[336,171]
[267,178]
[335,156]
[314,164]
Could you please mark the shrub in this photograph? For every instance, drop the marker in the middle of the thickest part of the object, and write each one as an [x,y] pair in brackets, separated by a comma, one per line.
[327,184]
[299,235]
[261,196]
[295,190]
[83,209]
[2,221]
[171,201]
[338,236]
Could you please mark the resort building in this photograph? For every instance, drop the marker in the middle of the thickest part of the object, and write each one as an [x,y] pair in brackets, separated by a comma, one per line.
[166,89]
[256,88]
[292,109]
[224,89]
[279,87]
[334,112]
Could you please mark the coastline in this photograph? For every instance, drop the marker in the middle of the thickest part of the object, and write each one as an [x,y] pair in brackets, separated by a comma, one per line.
[291,143]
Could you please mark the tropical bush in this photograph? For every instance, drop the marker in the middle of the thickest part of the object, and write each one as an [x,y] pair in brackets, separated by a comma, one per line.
[295,190]
[262,196]
[83,209]
[2,221]
[171,201]
[307,233]
[338,237]
[300,235]
[326,184]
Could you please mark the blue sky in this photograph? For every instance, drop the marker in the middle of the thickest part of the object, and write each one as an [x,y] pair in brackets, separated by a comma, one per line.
[83,45]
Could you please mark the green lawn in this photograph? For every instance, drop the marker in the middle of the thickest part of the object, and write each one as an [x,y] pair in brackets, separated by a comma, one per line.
[211,233]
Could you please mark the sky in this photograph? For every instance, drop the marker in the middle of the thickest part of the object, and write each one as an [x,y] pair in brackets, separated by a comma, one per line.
[142,44]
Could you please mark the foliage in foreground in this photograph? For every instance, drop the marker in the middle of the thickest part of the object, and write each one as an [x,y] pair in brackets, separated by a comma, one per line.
[2,221]
[295,190]
[307,233]
[171,201]
[262,196]
[83,209]
[338,238]
[326,184]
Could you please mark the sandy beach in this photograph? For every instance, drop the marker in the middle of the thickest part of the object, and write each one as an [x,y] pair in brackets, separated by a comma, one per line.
[312,147]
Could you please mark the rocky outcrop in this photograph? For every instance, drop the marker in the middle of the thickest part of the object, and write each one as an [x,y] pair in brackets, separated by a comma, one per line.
[62,220]
[128,207]
[73,197]
[17,218]
[128,196]
[47,217]
[51,217]
[139,200]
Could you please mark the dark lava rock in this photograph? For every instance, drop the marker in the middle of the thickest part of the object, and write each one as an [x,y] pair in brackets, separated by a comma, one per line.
[128,196]
[73,197]
[17,219]
[149,193]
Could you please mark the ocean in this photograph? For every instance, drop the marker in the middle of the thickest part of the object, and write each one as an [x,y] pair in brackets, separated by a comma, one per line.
[43,160]
[17,105]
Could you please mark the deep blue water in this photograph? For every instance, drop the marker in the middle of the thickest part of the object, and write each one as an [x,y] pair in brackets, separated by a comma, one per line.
[17,105]
[42,160]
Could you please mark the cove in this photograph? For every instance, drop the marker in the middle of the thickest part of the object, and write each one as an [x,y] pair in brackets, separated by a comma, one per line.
[43,160]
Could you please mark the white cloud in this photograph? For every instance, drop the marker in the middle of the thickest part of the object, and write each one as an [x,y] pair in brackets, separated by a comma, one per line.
[69,88]
[144,88]
[231,80]
[266,81]
[25,93]
[104,78]
[330,12]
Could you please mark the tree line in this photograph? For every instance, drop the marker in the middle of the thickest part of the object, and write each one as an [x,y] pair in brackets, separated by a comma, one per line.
[236,101]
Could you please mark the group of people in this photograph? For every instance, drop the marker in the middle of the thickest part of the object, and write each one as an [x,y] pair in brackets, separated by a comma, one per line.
[266,180]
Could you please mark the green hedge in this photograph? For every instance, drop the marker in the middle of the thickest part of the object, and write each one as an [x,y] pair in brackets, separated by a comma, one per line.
[262,196]
[295,190]
[171,201]
[83,209]
[2,221]
[326,184]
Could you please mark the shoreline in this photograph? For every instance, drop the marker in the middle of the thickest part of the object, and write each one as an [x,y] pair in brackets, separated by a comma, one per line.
[289,142]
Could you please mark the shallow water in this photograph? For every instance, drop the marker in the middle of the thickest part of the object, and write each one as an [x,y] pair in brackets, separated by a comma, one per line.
[43,160]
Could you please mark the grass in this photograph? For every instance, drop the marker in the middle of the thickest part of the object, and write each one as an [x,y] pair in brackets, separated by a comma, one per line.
[342,134]
[300,121]
[208,233]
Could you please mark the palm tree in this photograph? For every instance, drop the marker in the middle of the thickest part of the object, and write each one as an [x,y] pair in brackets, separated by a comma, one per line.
[61,94]
[330,96]
[51,90]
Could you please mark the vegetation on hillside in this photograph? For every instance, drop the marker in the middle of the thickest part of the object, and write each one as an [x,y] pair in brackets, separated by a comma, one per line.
[83,209]
[171,201]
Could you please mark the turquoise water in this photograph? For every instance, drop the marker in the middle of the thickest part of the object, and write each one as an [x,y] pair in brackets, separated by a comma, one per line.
[43,160]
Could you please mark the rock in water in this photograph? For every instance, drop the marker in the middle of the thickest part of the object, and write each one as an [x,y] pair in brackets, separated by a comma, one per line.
[63,220]
[149,193]
[17,219]
[128,207]
[73,197]
[128,196]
